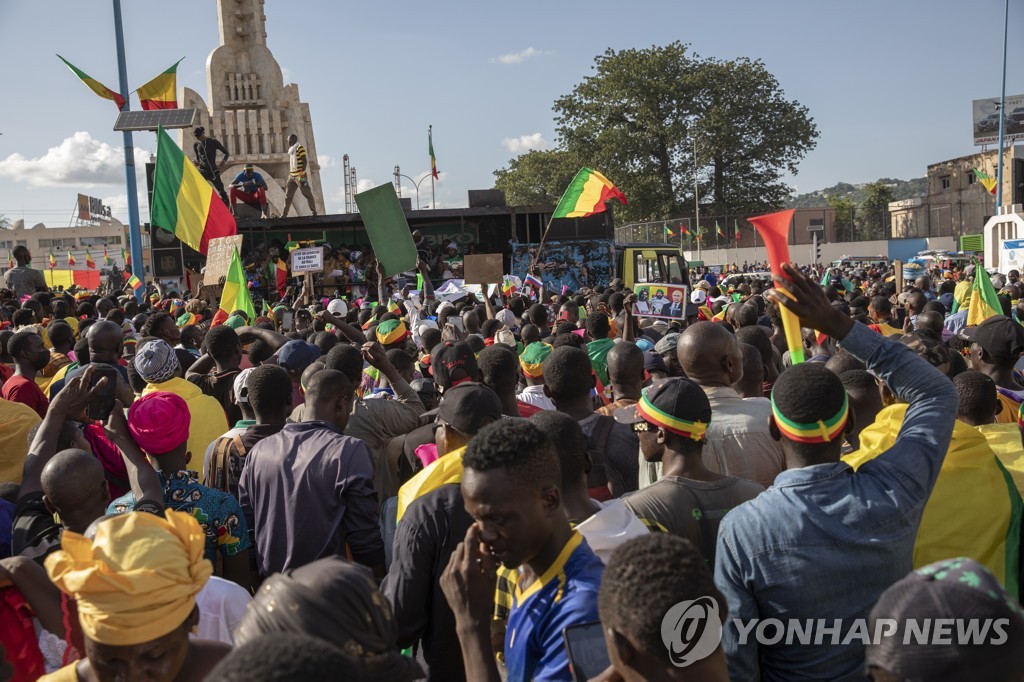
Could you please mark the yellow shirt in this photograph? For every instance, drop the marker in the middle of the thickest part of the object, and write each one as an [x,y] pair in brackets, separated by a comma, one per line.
[16,420]
[446,469]
[1004,439]
[207,421]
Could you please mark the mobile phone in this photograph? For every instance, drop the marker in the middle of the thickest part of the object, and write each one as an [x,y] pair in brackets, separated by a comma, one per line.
[286,320]
[102,405]
[588,654]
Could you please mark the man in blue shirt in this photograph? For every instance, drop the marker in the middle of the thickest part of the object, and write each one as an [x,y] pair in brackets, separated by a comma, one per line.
[824,541]
[251,188]
[510,486]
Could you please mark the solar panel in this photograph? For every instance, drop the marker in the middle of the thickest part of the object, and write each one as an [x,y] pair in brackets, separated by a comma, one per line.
[151,120]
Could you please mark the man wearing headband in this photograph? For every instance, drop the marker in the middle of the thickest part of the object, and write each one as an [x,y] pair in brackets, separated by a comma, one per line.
[532,364]
[855,530]
[135,581]
[251,188]
[688,500]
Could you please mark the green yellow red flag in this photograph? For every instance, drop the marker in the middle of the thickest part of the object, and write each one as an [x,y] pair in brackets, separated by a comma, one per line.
[161,92]
[94,85]
[236,292]
[586,195]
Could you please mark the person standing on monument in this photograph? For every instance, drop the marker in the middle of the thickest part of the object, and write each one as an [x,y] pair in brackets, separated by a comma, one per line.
[297,166]
[205,149]
[251,188]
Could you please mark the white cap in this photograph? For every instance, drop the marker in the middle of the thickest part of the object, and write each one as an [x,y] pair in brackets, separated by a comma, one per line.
[241,385]
[424,325]
[337,307]
[699,296]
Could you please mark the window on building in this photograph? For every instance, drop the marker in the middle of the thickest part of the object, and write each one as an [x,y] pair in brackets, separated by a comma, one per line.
[945,181]
[100,241]
[57,243]
[971,179]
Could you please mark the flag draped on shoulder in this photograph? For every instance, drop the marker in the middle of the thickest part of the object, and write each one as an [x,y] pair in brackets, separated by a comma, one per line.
[162,91]
[236,292]
[586,195]
[184,203]
[984,300]
[94,85]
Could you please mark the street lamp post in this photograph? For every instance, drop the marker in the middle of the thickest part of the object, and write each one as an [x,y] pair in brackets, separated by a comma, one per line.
[416,185]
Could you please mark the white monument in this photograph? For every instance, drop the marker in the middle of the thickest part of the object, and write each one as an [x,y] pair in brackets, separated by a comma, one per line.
[251,111]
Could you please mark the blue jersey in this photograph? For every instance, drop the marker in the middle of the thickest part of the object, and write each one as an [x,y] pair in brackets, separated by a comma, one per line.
[565,595]
[248,184]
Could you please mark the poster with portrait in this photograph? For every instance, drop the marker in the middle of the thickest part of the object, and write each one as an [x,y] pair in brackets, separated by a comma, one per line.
[665,301]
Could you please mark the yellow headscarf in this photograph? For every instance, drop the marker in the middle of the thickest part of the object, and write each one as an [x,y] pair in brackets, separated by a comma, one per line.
[137,581]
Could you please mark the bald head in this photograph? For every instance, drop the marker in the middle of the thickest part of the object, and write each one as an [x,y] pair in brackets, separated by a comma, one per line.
[710,355]
[105,340]
[916,302]
[625,364]
[74,485]
[932,321]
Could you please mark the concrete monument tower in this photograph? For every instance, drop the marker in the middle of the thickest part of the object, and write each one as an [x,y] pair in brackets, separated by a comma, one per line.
[251,111]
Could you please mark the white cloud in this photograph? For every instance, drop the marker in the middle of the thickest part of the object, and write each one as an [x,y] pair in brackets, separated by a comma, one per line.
[524,143]
[80,160]
[326,161]
[518,57]
[286,75]
[363,184]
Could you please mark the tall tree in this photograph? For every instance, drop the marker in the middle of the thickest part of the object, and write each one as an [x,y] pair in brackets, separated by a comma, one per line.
[536,177]
[636,119]
[844,215]
[874,210]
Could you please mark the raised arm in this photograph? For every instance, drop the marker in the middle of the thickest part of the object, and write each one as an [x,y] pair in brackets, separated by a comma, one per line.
[142,476]
[70,403]
[271,338]
[350,332]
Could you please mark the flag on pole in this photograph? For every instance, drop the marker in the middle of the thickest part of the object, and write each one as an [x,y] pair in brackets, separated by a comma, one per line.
[134,282]
[161,92]
[508,286]
[184,203]
[986,180]
[71,259]
[10,259]
[280,276]
[53,261]
[586,195]
[430,150]
[106,257]
[533,281]
[94,85]
[684,230]
[236,292]
[736,227]
[127,258]
[393,307]
[718,229]
[984,300]
[89,262]
[669,232]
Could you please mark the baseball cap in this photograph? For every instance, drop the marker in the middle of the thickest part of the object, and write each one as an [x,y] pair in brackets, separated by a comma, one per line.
[667,343]
[453,363]
[653,362]
[337,307]
[469,406]
[1000,336]
[297,355]
[960,590]
[675,404]
[241,385]
[699,296]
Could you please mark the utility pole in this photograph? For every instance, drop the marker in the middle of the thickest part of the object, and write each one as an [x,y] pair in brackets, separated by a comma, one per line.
[696,196]
[1002,116]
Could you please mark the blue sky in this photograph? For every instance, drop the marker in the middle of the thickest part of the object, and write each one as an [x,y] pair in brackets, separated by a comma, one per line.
[889,83]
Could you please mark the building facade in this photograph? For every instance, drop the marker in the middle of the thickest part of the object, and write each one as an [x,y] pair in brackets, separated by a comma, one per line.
[41,240]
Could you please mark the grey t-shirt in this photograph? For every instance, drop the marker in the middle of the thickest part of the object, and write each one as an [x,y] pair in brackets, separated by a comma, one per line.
[24,281]
[692,509]
[620,449]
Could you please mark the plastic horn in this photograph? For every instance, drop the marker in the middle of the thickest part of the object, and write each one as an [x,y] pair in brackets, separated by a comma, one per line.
[774,229]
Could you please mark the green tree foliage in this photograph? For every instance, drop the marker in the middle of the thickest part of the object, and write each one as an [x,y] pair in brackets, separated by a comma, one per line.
[636,119]
[536,177]
[5,223]
[874,210]
[845,211]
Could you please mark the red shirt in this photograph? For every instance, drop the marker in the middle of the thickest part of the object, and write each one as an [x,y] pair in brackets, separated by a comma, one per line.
[527,410]
[21,390]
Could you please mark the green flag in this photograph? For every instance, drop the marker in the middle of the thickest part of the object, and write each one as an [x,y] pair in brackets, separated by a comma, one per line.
[388,230]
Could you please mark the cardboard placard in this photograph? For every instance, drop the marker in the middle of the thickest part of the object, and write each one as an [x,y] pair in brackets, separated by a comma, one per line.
[484,268]
[306,260]
[665,301]
[218,257]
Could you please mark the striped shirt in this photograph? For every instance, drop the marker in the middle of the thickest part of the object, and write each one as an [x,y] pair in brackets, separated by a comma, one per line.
[297,161]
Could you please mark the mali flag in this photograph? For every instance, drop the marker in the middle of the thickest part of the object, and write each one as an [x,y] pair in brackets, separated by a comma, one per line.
[10,259]
[986,180]
[280,271]
[984,302]
[89,262]
[718,229]
[106,257]
[53,261]
[236,292]
[974,509]
[161,92]
[94,85]
[127,258]
[586,195]
[71,259]
[184,203]
[430,150]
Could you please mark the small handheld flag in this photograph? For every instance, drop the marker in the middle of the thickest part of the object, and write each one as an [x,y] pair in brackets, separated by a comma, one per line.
[533,281]
[508,287]
[134,282]
[586,195]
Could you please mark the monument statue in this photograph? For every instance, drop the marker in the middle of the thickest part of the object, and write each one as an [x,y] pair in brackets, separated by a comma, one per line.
[251,111]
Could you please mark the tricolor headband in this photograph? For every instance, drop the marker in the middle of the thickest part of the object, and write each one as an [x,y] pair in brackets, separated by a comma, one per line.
[646,409]
[824,431]
[534,370]
[1020,416]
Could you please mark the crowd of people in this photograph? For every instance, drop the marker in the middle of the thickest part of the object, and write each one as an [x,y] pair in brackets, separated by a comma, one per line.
[527,485]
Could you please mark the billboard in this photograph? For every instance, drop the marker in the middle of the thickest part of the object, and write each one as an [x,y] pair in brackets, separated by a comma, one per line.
[986,120]
[91,208]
